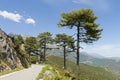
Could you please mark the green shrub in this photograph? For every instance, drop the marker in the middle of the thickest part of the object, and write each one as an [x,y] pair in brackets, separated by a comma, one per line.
[33,59]
[10,71]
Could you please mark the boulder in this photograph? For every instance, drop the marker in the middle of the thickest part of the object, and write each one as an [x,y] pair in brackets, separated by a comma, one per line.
[48,75]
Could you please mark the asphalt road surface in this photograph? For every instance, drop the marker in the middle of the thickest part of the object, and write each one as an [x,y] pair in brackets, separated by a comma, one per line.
[26,74]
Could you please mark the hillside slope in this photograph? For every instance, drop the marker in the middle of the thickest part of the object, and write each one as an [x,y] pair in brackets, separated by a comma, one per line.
[110,64]
[99,61]
[87,72]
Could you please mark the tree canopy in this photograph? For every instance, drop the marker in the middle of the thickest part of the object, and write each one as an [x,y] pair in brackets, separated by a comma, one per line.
[45,35]
[85,20]
[18,40]
[31,44]
[65,40]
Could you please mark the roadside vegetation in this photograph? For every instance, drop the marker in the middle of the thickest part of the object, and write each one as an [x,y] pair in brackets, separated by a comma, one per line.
[56,74]
[55,66]
[10,71]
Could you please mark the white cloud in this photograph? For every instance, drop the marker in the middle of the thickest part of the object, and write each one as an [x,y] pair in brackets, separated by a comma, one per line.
[30,21]
[101,4]
[16,17]
[108,50]
[11,16]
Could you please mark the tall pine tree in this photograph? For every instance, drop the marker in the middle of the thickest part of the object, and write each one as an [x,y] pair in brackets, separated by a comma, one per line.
[87,29]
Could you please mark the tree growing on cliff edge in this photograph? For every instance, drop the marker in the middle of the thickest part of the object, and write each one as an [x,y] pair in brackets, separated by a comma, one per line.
[18,40]
[87,29]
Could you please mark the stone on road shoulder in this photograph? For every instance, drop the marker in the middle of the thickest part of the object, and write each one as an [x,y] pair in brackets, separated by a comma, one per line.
[26,74]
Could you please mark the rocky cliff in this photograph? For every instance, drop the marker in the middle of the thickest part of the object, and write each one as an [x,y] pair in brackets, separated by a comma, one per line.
[9,57]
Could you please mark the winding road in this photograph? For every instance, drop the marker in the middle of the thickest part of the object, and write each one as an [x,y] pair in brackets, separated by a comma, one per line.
[26,74]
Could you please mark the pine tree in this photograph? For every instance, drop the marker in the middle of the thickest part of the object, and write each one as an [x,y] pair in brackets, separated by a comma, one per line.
[87,29]
[65,41]
[45,37]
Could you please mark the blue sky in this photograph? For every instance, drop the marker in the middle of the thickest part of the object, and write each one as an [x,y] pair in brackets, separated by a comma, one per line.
[32,17]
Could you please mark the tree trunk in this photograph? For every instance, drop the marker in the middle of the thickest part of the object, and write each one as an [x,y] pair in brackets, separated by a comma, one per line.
[78,46]
[44,54]
[64,56]
[29,54]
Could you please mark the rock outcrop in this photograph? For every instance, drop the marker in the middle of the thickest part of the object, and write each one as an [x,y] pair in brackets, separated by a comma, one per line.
[9,58]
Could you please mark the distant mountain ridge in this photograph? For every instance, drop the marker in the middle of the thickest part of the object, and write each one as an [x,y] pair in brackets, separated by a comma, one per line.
[115,58]
[95,55]
[15,35]
[94,60]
